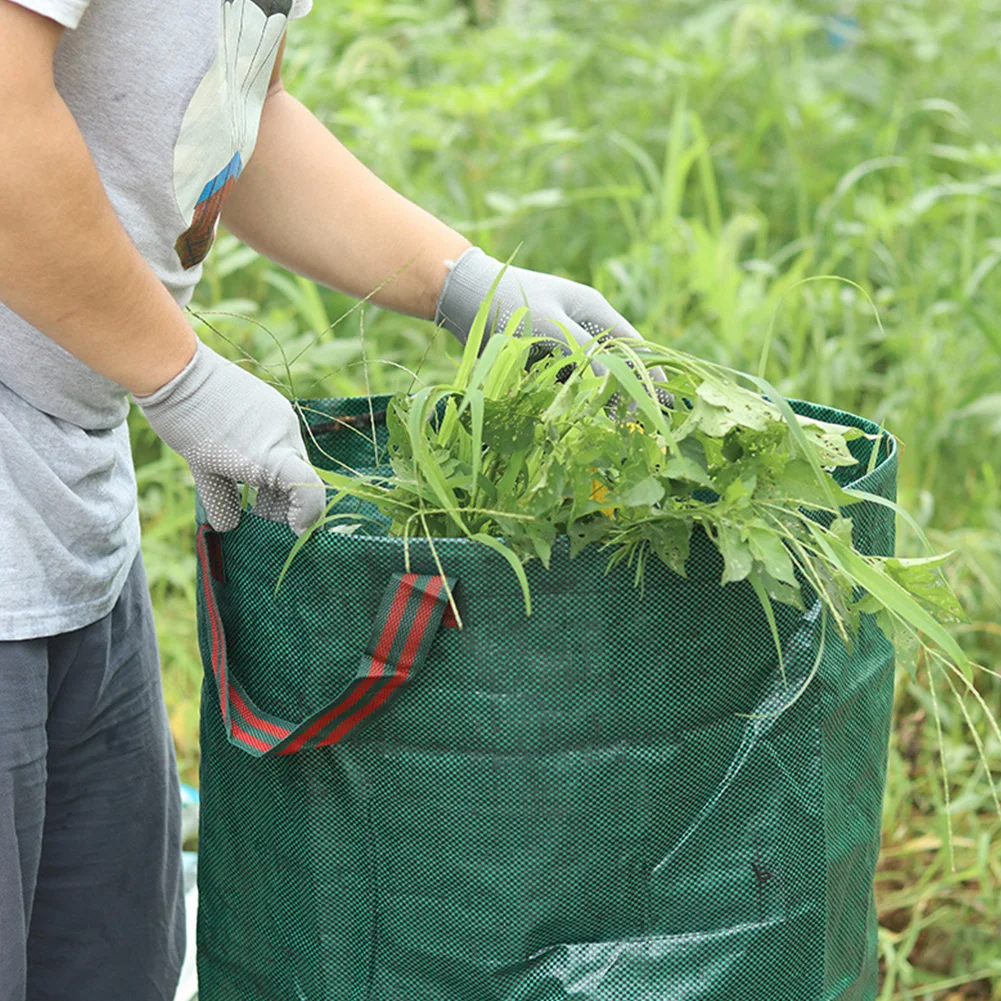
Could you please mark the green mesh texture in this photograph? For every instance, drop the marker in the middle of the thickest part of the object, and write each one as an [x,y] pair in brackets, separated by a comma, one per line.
[570,806]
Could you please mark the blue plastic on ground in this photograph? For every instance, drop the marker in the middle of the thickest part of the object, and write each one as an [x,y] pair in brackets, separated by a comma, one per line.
[189,795]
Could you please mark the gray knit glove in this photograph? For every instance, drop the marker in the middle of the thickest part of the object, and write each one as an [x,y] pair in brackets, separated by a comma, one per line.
[233,428]
[584,311]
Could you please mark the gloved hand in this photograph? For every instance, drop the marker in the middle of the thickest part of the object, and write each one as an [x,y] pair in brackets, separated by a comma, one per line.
[584,311]
[233,428]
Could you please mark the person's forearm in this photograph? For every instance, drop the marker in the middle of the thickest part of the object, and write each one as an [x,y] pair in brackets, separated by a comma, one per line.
[67,266]
[307,203]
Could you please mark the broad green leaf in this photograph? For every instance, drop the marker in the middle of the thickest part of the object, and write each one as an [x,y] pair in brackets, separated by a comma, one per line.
[585,533]
[736,554]
[798,484]
[843,529]
[542,542]
[646,492]
[714,422]
[738,492]
[741,407]
[508,428]
[785,593]
[869,605]
[921,578]
[830,441]
[769,550]
[681,467]
[826,483]
[670,540]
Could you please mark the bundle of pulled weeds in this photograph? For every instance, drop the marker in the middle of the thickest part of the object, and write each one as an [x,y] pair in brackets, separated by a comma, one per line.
[512,455]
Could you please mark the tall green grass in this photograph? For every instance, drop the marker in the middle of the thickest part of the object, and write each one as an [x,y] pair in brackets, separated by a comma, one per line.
[696,160]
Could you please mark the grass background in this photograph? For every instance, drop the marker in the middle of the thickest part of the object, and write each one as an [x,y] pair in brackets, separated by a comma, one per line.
[694,159]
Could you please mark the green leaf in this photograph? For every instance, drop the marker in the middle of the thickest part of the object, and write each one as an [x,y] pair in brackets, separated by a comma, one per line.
[921,578]
[736,554]
[769,550]
[738,492]
[541,540]
[356,486]
[500,368]
[869,605]
[680,467]
[825,481]
[477,409]
[646,492]
[732,448]
[396,426]
[423,402]
[712,421]
[830,441]
[512,470]
[893,596]
[670,540]
[514,322]
[725,406]
[798,483]
[584,533]
[843,529]
[766,605]
[787,594]
[474,341]
[450,422]
[508,429]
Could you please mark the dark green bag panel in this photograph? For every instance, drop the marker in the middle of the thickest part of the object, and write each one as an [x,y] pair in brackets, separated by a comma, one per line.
[599,802]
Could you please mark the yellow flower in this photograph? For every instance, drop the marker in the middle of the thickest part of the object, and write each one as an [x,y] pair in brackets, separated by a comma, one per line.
[599,493]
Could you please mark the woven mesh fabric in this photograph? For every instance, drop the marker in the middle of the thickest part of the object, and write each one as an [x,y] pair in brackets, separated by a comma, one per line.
[572,806]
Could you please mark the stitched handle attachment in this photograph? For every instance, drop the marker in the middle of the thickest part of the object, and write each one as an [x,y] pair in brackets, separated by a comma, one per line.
[410,614]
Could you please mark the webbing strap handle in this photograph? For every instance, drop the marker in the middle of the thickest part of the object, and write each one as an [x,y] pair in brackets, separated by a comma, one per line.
[409,617]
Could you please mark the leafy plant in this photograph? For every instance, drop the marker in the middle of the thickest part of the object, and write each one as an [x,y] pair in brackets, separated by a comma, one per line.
[512,455]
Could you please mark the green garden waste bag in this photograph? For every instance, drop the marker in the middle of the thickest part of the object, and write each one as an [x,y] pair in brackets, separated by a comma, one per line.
[604,801]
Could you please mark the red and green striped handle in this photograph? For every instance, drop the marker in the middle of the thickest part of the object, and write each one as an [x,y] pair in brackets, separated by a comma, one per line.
[409,617]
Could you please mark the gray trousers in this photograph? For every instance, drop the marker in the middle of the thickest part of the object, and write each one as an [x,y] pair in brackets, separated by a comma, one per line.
[91,900]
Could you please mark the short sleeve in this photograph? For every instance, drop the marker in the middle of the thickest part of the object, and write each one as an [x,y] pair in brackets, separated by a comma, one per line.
[300,9]
[67,12]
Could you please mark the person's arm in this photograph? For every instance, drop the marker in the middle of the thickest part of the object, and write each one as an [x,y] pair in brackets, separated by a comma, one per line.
[67,265]
[307,203]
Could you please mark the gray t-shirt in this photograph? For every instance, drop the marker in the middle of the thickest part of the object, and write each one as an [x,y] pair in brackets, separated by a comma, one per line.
[168,95]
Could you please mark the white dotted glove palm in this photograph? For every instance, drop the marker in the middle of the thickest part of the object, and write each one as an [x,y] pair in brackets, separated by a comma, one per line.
[233,428]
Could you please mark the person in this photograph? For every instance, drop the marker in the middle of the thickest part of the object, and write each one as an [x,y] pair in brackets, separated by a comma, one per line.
[128,130]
